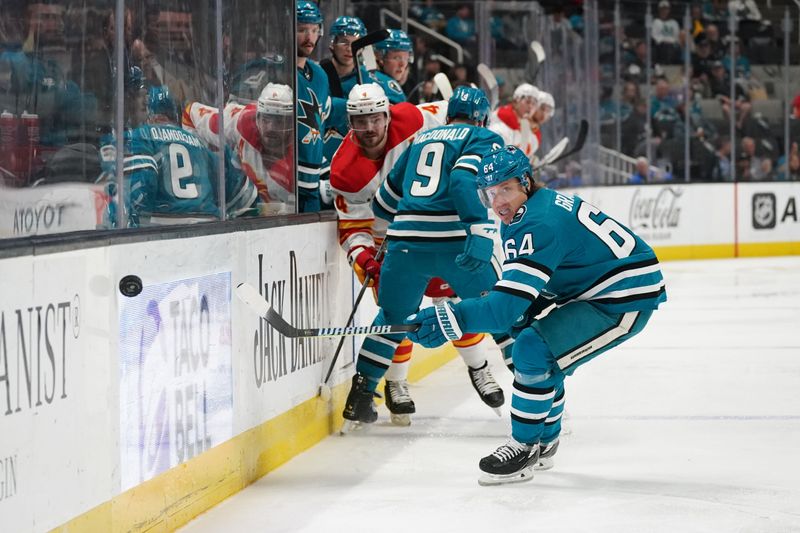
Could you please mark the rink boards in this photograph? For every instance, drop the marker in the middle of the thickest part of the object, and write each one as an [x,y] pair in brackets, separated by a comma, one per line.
[139,413]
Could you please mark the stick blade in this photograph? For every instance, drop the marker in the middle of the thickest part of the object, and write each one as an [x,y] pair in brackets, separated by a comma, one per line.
[249,295]
[538,51]
[442,83]
[369,39]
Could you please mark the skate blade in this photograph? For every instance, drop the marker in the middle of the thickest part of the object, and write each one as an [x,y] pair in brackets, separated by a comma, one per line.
[498,412]
[350,426]
[487,480]
[544,464]
[400,419]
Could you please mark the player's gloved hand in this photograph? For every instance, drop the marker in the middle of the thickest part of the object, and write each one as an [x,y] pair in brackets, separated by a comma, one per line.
[363,261]
[437,324]
[478,247]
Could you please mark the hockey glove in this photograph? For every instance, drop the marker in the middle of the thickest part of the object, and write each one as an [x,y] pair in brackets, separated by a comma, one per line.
[325,192]
[437,325]
[362,259]
[478,248]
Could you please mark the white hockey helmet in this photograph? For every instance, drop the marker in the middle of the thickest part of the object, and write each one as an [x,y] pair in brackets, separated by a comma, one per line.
[548,104]
[526,90]
[276,99]
[367,98]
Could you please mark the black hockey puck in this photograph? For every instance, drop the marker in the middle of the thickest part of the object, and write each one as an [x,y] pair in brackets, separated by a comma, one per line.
[130,285]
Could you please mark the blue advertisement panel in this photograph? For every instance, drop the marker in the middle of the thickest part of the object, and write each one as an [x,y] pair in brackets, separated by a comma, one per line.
[175,374]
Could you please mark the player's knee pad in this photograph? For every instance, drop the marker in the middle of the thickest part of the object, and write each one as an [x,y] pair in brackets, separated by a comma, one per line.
[469,339]
[403,352]
[533,359]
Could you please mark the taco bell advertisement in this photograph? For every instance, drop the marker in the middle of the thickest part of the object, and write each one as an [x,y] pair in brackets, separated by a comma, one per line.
[175,374]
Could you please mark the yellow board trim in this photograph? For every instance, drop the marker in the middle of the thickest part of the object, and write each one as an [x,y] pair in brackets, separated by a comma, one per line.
[174,497]
[722,251]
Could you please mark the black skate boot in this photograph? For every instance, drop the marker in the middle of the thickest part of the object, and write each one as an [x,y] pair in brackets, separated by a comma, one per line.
[359,407]
[399,402]
[513,462]
[488,389]
[546,453]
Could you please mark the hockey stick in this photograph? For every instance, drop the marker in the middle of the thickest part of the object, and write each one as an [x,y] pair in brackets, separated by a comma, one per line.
[324,389]
[367,40]
[249,295]
[553,157]
[490,81]
[442,83]
[536,57]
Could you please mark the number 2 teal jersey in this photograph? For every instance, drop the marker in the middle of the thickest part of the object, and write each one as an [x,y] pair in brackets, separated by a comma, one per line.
[170,172]
[430,196]
[565,249]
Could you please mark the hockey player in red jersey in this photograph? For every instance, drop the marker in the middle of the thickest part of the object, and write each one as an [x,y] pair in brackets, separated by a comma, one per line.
[513,121]
[261,137]
[379,134]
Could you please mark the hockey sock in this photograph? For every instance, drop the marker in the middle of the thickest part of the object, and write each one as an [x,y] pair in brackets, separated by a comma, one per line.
[398,371]
[470,349]
[506,345]
[530,406]
[552,424]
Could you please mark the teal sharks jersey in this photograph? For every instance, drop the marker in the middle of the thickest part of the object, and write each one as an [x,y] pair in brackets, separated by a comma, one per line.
[564,249]
[394,92]
[313,108]
[430,196]
[169,172]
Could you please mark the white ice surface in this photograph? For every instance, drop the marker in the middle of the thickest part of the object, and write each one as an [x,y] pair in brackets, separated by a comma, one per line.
[693,426]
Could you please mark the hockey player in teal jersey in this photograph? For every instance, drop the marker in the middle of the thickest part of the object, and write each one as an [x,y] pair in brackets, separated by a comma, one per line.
[394,55]
[313,108]
[438,228]
[170,175]
[605,282]
[342,77]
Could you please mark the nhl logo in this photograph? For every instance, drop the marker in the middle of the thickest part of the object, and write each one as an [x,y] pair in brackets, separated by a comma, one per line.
[764,206]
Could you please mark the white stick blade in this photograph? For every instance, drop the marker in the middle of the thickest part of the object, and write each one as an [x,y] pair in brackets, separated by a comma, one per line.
[442,83]
[556,151]
[249,295]
[538,51]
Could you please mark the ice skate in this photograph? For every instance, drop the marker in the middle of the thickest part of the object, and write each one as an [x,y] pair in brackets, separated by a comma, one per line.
[487,388]
[399,402]
[359,408]
[513,462]
[546,453]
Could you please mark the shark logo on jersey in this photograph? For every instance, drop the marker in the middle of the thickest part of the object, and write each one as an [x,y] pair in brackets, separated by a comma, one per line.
[309,119]
[519,215]
[764,211]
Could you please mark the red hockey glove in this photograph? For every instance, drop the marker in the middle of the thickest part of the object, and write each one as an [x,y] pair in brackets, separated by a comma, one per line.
[362,259]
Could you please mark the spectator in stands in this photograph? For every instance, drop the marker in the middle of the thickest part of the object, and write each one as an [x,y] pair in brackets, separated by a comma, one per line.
[698,20]
[429,15]
[722,170]
[459,75]
[758,168]
[720,86]
[643,172]
[742,63]
[702,59]
[559,21]
[461,27]
[666,36]
[636,63]
[794,165]
[630,93]
[662,98]
[714,41]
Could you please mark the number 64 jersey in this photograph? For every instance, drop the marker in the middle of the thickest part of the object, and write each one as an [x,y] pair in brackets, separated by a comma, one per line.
[565,249]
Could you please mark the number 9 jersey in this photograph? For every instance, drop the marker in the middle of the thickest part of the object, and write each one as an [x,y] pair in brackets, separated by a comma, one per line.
[170,173]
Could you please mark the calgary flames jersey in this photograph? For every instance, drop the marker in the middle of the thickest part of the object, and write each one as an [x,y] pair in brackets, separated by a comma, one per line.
[355,178]
[514,131]
[272,174]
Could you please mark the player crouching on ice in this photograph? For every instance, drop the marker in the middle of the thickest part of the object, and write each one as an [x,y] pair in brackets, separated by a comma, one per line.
[604,279]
